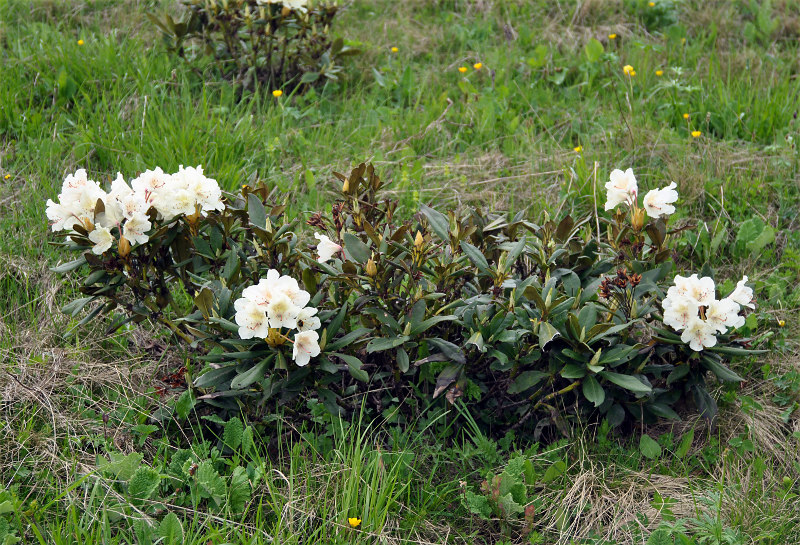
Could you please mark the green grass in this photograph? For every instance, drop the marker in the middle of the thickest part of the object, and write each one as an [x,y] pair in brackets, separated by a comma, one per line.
[501,137]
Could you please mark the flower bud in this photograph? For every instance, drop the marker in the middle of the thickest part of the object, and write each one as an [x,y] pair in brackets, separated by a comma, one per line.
[285,11]
[372,268]
[637,219]
[124,247]
[87,224]
[418,241]
[346,185]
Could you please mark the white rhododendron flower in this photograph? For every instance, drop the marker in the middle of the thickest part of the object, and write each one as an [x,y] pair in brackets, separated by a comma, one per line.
[102,238]
[679,312]
[743,294]
[277,302]
[658,202]
[699,334]
[306,346]
[701,290]
[326,248]
[126,207]
[282,312]
[251,319]
[723,314]
[290,287]
[299,5]
[691,306]
[307,319]
[622,188]
[135,228]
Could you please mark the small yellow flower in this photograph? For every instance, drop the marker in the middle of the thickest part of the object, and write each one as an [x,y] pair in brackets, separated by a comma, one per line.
[628,70]
[659,73]
[477,65]
[577,149]
[633,73]
[395,50]
[686,116]
[696,134]
[462,69]
[354,522]
[80,42]
[651,4]
[781,323]
[276,93]
[7,176]
[683,41]
[612,36]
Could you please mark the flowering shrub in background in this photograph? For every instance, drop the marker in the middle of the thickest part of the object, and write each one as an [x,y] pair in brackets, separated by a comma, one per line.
[531,325]
[275,42]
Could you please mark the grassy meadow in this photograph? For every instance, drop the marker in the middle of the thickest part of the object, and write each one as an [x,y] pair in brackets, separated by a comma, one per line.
[535,122]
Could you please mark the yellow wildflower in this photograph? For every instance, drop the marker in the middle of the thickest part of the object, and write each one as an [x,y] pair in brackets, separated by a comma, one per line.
[462,69]
[477,65]
[683,41]
[781,323]
[395,50]
[276,93]
[80,42]
[628,70]
[659,73]
[577,149]
[7,176]
[354,522]
[696,134]
[612,36]
[651,4]
[686,116]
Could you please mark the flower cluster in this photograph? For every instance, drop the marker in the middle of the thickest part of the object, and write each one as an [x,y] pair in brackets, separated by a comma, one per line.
[691,306]
[126,208]
[299,5]
[276,303]
[623,188]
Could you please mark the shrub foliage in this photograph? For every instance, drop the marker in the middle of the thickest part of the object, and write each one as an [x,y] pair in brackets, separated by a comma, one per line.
[530,325]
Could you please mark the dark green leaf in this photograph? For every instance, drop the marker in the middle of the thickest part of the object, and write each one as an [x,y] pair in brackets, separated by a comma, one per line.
[593,391]
[438,222]
[358,251]
[256,211]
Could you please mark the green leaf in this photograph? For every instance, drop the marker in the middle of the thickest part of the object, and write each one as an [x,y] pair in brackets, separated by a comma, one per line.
[309,77]
[626,381]
[74,307]
[546,334]
[722,372]
[402,360]
[554,471]
[526,380]
[475,255]
[254,374]
[358,251]
[450,350]
[170,530]
[354,365]
[478,504]
[448,375]
[121,467]
[143,484]
[593,391]
[69,266]
[379,344]
[509,506]
[209,483]
[438,222]
[185,404]
[660,537]
[430,322]
[248,443]
[239,491]
[232,434]
[649,447]
[256,211]
[685,444]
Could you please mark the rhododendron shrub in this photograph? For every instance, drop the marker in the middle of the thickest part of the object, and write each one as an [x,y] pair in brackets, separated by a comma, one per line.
[529,324]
